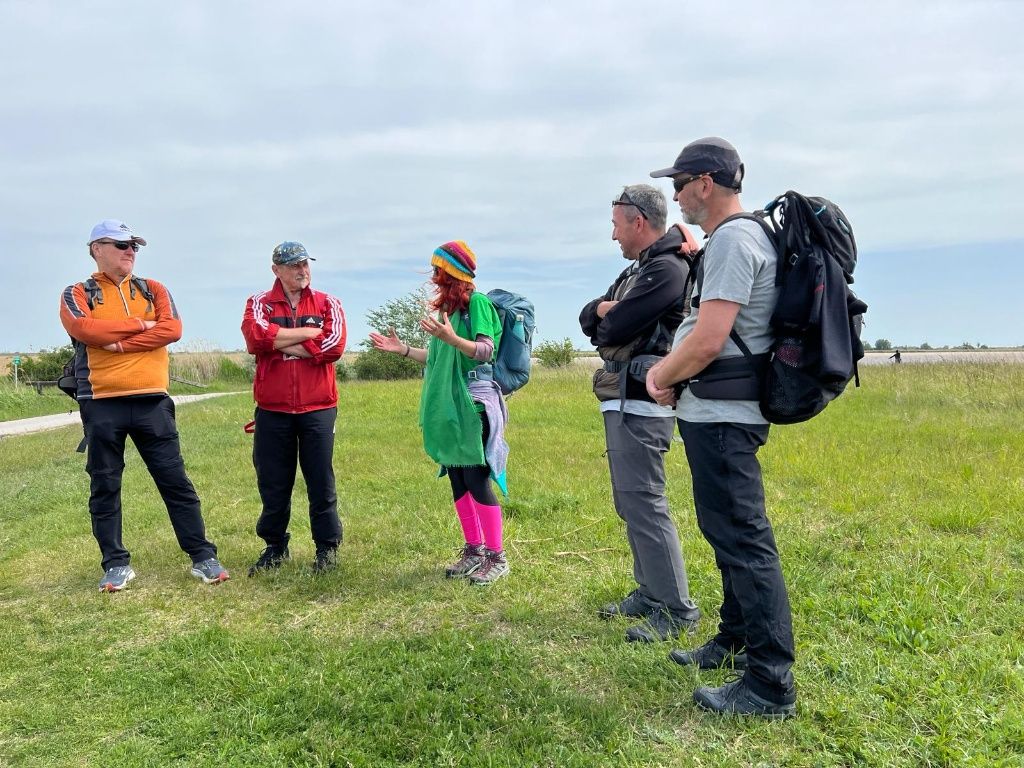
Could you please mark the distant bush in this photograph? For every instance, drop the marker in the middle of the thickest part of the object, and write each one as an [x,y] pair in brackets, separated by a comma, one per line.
[555,354]
[235,372]
[376,365]
[925,345]
[883,344]
[46,365]
[342,371]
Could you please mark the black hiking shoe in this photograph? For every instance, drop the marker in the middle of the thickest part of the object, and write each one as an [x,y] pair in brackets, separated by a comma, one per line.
[634,605]
[326,560]
[711,655]
[736,698]
[271,559]
[663,624]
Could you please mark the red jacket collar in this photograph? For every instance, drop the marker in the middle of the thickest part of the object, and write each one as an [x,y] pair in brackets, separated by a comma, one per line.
[277,292]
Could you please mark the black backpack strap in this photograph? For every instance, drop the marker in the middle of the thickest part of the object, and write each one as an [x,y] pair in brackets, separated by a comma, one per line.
[143,285]
[93,292]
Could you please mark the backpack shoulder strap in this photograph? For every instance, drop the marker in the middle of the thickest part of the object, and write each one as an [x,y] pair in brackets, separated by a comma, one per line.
[143,286]
[93,292]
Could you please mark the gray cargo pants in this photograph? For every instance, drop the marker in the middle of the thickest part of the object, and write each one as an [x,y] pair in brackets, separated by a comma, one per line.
[636,448]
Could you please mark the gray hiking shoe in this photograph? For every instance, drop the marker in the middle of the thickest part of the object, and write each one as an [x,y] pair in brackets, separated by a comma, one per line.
[116,578]
[711,655]
[210,571]
[663,624]
[494,567]
[633,605]
[471,558]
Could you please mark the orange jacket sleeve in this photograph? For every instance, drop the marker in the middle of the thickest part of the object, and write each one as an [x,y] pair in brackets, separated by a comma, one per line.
[168,324]
[77,319]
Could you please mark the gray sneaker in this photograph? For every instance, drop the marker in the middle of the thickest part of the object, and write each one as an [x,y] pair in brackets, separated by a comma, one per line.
[494,567]
[116,578]
[210,571]
[471,558]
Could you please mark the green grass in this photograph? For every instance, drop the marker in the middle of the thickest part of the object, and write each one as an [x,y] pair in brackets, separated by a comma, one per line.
[898,515]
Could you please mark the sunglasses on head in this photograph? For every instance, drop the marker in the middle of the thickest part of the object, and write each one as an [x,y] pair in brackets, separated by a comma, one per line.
[625,199]
[678,183]
[122,246]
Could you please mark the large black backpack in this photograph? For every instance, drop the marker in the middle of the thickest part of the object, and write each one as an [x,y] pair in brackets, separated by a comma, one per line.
[817,318]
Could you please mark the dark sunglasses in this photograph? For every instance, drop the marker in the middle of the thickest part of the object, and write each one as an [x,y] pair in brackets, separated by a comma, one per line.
[625,199]
[678,184]
[122,246]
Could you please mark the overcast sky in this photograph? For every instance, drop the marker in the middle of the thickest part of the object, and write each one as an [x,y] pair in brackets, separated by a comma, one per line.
[372,132]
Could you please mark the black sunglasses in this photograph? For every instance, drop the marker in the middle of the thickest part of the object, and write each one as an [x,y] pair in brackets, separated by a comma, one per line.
[122,246]
[625,199]
[678,184]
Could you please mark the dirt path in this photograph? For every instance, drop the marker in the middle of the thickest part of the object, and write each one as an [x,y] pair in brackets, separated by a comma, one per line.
[58,420]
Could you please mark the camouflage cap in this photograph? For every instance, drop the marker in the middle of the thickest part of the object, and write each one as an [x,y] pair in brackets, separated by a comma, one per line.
[290,252]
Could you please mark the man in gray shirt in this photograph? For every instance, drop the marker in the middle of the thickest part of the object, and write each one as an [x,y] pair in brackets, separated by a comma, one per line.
[734,291]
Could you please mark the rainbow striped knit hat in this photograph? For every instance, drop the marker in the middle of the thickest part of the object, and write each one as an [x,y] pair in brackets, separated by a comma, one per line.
[457,259]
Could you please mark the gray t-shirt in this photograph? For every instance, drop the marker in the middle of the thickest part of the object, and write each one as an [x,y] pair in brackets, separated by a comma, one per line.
[739,266]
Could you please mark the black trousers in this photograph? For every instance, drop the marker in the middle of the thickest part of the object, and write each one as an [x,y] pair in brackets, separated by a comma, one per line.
[149,421]
[281,440]
[728,496]
[474,480]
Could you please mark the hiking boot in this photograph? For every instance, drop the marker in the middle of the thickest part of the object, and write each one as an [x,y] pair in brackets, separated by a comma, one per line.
[634,605]
[493,568]
[736,698]
[271,558]
[210,571]
[663,624]
[471,558]
[116,578]
[711,655]
[326,560]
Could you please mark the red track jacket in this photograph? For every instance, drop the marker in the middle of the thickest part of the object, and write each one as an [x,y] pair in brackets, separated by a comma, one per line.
[283,382]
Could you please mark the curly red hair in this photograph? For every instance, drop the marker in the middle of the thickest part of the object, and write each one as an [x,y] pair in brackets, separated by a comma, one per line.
[452,295]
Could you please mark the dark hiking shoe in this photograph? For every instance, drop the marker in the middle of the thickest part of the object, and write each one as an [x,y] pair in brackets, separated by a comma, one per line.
[326,560]
[634,605]
[210,571]
[494,567]
[471,558]
[116,578]
[736,698]
[711,655]
[663,624]
[271,558]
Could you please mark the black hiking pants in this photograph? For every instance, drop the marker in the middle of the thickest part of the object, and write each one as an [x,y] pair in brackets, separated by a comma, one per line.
[149,421]
[728,496]
[282,441]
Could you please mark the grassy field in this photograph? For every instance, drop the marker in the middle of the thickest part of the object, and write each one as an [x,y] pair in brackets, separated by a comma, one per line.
[898,515]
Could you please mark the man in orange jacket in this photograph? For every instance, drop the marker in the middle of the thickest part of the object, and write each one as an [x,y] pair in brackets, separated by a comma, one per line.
[121,325]
[296,334]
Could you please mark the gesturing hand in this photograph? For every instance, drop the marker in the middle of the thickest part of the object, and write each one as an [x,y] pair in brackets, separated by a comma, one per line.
[440,329]
[389,343]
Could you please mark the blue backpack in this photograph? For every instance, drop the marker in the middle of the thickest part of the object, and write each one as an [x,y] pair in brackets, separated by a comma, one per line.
[511,367]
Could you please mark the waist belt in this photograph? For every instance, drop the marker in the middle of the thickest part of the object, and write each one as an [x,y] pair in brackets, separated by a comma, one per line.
[637,367]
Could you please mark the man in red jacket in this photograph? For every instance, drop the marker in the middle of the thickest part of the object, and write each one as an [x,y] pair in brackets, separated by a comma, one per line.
[296,334]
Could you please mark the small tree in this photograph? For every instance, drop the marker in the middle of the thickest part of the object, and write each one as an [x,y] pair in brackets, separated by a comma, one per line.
[883,344]
[46,365]
[555,354]
[867,344]
[403,314]
[925,345]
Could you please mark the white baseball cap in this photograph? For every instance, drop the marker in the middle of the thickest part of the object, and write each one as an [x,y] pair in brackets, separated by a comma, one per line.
[112,229]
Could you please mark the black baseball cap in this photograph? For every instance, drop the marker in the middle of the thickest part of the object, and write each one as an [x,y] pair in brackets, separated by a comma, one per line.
[711,155]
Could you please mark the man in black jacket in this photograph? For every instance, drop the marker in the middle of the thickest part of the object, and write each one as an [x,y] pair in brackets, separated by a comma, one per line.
[637,316]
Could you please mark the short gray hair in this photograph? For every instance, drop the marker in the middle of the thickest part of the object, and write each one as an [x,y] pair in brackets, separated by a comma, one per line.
[650,199]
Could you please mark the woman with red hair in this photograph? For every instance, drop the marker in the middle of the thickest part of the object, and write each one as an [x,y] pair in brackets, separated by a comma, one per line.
[462,412]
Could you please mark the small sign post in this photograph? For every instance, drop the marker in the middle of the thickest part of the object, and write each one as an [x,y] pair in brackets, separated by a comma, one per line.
[16,362]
